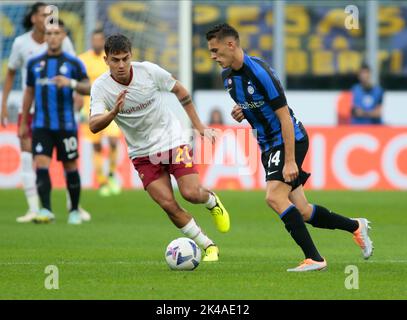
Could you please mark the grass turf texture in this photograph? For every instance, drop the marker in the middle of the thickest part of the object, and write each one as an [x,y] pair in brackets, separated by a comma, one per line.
[120,253]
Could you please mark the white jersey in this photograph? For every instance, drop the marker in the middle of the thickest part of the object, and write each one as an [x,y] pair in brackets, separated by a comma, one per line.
[24,48]
[148,124]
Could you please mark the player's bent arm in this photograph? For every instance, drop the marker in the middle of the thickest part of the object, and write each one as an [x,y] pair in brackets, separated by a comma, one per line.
[98,122]
[8,85]
[290,172]
[83,87]
[185,99]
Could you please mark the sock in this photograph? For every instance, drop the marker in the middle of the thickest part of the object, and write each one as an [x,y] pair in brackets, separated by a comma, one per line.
[295,225]
[98,165]
[194,232]
[326,219]
[211,203]
[44,187]
[28,180]
[112,161]
[73,183]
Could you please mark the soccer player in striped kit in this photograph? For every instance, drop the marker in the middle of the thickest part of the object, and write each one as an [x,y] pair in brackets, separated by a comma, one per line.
[51,79]
[283,140]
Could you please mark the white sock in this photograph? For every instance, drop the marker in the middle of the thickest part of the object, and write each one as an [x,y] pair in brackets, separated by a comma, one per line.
[211,203]
[194,232]
[28,180]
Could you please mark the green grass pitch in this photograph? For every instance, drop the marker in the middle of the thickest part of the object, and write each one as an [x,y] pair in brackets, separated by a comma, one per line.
[120,253]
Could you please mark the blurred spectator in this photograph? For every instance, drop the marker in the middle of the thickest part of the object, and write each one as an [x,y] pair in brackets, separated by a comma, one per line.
[367,99]
[216,117]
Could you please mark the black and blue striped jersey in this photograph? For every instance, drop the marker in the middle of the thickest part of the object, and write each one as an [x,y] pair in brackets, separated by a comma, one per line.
[54,108]
[257,90]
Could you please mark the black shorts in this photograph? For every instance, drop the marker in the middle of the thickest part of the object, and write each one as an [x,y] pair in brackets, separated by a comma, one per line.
[273,163]
[66,143]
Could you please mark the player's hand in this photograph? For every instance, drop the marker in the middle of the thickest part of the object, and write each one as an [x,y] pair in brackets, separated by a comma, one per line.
[4,117]
[210,133]
[119,102]
[359,112]
[290,171]
[237,113]
[61,81]
[23,130]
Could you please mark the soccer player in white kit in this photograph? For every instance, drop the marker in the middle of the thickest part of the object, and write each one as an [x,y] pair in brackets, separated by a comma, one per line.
[133,95]
[23,49]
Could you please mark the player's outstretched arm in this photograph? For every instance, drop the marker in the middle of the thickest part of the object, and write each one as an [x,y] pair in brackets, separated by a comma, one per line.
[27,103]
[290,169]
[186,101]
[100,121]
[8,84]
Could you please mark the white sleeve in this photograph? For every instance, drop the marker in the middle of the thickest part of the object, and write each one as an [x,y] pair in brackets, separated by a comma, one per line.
[162,78]
[97,104]
[67,46]
[15,60]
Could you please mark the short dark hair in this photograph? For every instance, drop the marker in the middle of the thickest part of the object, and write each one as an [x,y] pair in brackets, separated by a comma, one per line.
[60,23]
[98,31]
[365,66]
[27,24]
[221,31]
[117,43]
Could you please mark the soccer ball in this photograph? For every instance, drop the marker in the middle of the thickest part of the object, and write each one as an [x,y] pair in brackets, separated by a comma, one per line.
[183,254]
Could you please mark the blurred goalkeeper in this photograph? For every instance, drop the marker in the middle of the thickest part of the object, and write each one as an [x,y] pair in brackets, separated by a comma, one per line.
[96,66]
[133,93]
[260,99]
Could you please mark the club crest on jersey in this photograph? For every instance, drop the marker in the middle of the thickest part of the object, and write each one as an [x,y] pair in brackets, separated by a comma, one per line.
[250,89]
[63,69]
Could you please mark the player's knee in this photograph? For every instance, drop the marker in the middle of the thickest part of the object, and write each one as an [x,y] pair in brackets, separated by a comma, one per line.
[192,195]
[275,203]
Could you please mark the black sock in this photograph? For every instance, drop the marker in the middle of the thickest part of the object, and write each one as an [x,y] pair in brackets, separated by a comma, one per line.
[43,183]
[73,183]
[323,218]
[295,225]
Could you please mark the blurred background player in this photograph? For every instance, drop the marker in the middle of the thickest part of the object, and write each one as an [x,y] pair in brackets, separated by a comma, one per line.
[25,47]
[134,95]
[367,99]
[216,117]
[96,66]
[55,74]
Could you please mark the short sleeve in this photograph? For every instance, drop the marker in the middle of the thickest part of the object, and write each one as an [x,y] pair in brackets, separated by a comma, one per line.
[81,73]
[67,46]
[15,60]
[270,84]
[381,95]
[163,79]
[30,81]
[97,104]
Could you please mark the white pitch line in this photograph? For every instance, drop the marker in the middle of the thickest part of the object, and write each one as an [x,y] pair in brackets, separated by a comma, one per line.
[5,263]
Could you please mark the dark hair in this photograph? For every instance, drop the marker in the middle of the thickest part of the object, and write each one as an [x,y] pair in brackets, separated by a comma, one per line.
[27,24]
[60,23]
[221,31]
[365,66]
[117,43]
[98,31]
